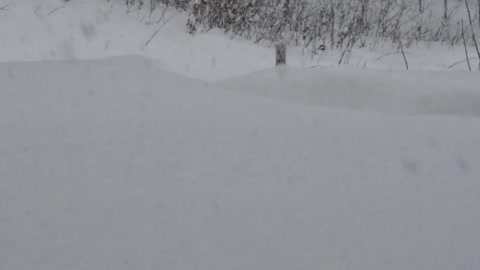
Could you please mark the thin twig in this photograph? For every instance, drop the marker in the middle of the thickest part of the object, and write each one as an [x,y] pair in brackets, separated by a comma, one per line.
[5,7]
[473,31]
[55,10]
[403,54]
[159,28]
[385,55]
[38,8]
[461,62]
[162,16]
[465,45]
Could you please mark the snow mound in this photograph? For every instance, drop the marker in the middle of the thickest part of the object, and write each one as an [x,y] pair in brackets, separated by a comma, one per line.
[119,164]
[34,30]
[453,93]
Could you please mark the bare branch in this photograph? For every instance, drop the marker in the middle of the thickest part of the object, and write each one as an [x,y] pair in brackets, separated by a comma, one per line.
[55,10]
[403,54]
[471,28]
[38,8]
[461,62]
[5,7]
[385,55]
[159,28]
[465,45]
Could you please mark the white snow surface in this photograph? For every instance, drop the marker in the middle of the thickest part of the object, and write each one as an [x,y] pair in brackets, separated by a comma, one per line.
[171,162]
[32,30]
[120,164]
[400,92]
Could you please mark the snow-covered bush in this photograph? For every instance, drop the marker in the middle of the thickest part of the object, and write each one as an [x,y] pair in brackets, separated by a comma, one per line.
[320,24]
[179,4]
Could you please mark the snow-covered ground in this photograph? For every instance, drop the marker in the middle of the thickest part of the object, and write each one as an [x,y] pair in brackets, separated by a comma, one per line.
[176,158]
[119,164]
[400,92]
[85,30]
[54,30]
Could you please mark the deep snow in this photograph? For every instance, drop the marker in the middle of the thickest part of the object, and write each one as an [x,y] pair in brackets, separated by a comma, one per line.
[400,92]
[32,30]
[86,30]
[122,163]
[119,164]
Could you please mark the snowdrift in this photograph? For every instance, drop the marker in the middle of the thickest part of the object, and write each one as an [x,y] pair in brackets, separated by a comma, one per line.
[421,92]
[34,30]
[119,164]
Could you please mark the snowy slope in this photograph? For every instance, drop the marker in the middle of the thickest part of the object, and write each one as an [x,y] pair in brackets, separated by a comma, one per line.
[119,164]
[421,92]
[33,30]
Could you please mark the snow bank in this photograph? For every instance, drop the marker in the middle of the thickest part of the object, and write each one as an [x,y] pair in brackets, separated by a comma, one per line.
[454,93]
[119,164]
[54,30]
[32,30]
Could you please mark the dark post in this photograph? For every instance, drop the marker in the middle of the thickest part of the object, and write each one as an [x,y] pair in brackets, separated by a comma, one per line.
[281,55]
